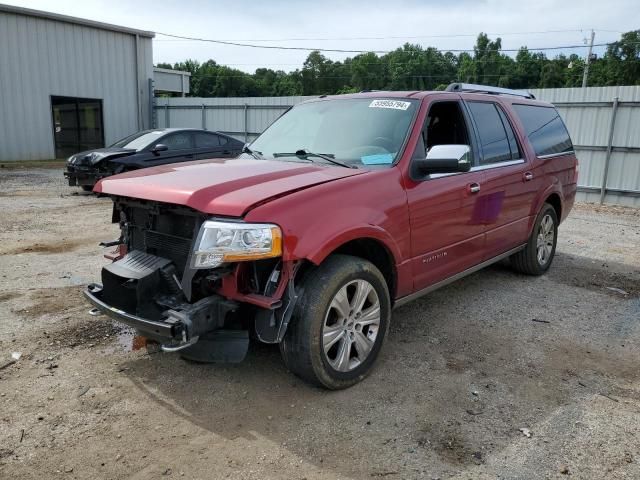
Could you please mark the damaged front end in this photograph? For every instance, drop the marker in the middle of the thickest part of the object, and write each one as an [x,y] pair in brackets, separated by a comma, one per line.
[87,168]
[195,284]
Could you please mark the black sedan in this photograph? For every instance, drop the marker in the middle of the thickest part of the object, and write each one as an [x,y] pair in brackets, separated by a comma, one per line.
[148,149]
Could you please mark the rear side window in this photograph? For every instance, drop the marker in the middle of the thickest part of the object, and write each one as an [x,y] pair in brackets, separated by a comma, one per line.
[497,140]
[204,140]
[545,129]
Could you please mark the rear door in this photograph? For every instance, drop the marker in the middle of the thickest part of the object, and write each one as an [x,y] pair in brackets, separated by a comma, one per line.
[208,145]
[508,183]
[446,237]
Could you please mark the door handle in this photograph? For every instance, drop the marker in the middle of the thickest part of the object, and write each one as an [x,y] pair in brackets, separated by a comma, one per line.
[527,177]
[474,187]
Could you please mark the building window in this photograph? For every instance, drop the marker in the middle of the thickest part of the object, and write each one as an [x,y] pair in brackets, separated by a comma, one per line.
[77,125]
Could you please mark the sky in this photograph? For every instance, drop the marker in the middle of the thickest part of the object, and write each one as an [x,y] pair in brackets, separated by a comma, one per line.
[351,25]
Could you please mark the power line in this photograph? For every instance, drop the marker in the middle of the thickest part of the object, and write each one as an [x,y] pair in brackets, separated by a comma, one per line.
[339,50]
[322,39]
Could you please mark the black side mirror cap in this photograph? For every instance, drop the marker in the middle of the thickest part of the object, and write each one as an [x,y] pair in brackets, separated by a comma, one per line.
[161,147]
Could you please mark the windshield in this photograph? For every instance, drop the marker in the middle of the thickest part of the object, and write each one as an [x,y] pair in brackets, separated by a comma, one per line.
[139,140]
[359,132]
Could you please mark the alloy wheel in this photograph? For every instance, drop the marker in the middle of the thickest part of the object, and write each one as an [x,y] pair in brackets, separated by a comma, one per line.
[545,240]
[351,325]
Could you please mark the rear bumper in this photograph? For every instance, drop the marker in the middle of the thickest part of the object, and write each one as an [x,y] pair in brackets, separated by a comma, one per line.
[152,328]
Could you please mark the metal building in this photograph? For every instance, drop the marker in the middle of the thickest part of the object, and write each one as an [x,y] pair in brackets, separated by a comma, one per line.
[69,84]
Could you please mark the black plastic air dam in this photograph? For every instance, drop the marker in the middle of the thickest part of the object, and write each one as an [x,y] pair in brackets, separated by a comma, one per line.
[131,283]
[151,328]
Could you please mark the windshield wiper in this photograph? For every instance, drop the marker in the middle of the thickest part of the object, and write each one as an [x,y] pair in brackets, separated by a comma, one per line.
[254,153]
[303,153]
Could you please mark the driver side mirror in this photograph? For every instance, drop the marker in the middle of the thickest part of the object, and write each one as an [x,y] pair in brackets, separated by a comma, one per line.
[445,159]
[161,147]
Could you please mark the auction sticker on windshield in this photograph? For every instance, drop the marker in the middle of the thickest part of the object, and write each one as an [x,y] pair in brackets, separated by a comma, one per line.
[396,104]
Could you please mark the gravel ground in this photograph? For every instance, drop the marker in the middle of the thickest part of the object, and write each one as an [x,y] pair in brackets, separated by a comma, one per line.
[495,376]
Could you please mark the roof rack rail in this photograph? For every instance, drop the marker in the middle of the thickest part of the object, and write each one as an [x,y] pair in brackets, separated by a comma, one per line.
[470,87]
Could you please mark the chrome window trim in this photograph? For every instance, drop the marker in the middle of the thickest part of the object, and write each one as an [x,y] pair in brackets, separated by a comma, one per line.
[489,166]
[479,168]
[559,154]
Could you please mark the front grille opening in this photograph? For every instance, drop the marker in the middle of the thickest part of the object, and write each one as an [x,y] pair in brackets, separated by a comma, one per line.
[163,230]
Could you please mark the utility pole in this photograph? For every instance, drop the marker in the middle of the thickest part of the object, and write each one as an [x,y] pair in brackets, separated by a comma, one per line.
[588,60]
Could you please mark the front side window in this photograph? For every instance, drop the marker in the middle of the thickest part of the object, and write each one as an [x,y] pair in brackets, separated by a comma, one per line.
[445,125]
[139,140]
[545,129]
[177,141]
[496,136]
[362,132]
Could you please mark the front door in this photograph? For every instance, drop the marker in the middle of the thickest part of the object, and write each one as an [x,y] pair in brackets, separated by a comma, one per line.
[77,125]
[447,236]
[179,149]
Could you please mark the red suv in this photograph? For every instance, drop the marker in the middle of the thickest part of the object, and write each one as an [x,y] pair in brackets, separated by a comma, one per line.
[344,208]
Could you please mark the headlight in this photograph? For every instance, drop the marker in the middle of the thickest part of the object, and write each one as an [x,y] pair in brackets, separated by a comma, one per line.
[71,159]
[222,242]
[95,157]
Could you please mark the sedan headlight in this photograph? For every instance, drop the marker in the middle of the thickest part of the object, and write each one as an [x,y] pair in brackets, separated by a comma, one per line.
[223,242]
[94,157]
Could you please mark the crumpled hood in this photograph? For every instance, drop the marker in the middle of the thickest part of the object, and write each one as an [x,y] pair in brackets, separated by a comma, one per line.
[91,157]
[228,187]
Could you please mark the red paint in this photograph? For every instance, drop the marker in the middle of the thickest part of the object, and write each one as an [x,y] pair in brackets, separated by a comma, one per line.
[431,229]
[220,186]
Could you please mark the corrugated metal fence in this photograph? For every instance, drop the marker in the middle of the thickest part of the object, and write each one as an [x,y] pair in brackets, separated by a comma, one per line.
[604,123]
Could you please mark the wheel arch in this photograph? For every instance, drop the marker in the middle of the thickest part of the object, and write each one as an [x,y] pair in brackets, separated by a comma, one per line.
[552,196]
[556,202]
[370,247]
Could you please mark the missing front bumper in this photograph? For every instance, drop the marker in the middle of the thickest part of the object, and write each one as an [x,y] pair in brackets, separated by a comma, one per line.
[152,328]
[139,290]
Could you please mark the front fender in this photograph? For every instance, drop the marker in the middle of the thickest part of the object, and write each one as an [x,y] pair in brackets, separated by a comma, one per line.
[321,247]
[318,220]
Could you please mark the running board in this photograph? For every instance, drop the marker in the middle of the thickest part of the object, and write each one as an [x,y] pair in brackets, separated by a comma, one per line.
[457,276]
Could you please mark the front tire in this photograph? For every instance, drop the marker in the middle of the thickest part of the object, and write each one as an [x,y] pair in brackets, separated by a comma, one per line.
[87,188]
[339,324]
[536,257]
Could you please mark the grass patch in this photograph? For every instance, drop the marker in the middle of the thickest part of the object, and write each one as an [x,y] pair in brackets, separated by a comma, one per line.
[19,164]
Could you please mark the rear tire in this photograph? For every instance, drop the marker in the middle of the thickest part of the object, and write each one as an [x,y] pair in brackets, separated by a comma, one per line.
[537,256]
[339,323]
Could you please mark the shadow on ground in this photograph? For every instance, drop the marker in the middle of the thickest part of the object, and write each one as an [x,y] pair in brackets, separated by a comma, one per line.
[462,370]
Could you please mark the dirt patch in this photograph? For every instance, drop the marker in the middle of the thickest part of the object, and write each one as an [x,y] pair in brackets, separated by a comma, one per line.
[58,247]
[6,296]
[606,209]
[90,331]
[455,451]
[600,278]
[51,301]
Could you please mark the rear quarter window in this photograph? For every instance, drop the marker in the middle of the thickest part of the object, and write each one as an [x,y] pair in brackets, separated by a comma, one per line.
[545,129]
